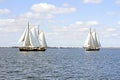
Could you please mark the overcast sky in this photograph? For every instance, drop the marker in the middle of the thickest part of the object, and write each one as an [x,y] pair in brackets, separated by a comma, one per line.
[65,22]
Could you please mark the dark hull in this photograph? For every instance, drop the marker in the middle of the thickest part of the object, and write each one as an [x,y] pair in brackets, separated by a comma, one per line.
[89,49]
[92,49]
[31,49]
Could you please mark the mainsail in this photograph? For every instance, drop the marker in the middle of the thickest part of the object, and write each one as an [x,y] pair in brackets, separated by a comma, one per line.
[34,38]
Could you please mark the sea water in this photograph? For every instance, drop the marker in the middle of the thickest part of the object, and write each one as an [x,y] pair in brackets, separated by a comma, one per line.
[60,64]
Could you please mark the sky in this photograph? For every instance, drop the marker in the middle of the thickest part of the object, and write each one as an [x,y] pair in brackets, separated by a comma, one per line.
[65,23]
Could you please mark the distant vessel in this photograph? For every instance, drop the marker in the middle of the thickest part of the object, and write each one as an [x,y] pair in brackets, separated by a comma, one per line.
[33,40]
[92,42]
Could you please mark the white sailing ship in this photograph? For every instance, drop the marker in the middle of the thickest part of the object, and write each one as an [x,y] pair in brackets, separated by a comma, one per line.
[33,40]
[92,42]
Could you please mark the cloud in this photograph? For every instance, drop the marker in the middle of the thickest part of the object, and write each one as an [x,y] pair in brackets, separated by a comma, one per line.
[4,22]
[1,1]
[109,32]
[92,23]
[4,11]
[118,22]
[75,29]
[93,1]
[111,13]
[32,15]
[117,1]
[8,25]
[74,33]
[46,11]
[110,29]
[49,8]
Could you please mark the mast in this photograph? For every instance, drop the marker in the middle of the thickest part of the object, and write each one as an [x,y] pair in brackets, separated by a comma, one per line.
[28,28]
[38,31]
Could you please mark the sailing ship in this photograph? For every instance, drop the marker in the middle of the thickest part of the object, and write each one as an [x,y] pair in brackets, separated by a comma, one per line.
[33,40]
[92,42]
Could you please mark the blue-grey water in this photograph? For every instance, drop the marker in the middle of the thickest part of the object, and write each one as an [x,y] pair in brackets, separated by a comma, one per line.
[60,64]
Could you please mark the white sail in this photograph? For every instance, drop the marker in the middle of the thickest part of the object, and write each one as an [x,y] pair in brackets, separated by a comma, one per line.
[26,41]
[98,41]
[42,39]
[92,41]
[95,39]
[22,38]
[34,38]
[87,40]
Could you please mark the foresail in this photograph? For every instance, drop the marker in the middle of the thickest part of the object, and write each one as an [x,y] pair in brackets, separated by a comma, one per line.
[26,41]
[87,40]
[96,41]
[42,39]
[22,38]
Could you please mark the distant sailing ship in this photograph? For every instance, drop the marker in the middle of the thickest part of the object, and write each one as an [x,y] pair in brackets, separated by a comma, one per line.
[33,40]
[92,42]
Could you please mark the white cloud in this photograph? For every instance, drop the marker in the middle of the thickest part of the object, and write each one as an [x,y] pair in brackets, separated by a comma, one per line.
[6,21]
[36,15]
[115,34]
[68,33]
[75,29]
[118,22]
[111,13]
[8,25]
[78,22]
[4,11]
[92,23]
[1,0]
[93,1]
[29,15]
[49,8]
[117,1]
[110,32]
[46,11]
[110,29]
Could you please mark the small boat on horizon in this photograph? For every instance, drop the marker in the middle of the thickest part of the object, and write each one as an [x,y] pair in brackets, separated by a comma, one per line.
[33,40]
[92,42]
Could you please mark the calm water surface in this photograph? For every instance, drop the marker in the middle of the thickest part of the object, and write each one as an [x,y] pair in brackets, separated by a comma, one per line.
[60,64]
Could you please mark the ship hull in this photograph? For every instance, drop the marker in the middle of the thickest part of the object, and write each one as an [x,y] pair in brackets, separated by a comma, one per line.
[89,49]
[31,49]
[92,49]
